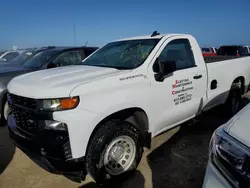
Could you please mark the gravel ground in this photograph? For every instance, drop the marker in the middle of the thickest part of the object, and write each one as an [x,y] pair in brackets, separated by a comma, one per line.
[177,159]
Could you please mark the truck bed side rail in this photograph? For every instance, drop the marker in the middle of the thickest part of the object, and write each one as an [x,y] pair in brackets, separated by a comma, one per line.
[213,59]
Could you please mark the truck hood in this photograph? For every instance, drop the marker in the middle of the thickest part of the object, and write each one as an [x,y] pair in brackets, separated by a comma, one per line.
[238,127]
[57,82]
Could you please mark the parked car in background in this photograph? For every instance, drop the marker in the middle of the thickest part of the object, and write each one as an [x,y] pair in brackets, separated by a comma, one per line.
[8,55]
[229,154]
[209,52]
[101,114]
[248,49]
[48,57]
[22,57]
[233,50]
[211,49]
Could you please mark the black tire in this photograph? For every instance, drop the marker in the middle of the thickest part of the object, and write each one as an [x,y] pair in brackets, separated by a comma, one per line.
[98,145]
[3,120]
[233,103]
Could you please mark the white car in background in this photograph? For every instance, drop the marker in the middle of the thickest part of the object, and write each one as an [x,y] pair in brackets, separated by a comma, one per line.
[8,55]
[229,154]
[248,49]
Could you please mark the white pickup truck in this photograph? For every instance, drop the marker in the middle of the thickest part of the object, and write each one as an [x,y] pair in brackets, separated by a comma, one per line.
[96,118]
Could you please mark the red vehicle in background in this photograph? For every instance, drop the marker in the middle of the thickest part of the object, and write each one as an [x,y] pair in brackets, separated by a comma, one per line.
[208,52]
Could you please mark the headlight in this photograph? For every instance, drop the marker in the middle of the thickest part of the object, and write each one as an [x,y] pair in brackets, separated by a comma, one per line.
[59,104]
[231,157]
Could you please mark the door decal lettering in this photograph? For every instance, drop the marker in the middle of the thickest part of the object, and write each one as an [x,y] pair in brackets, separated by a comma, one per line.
[181,88]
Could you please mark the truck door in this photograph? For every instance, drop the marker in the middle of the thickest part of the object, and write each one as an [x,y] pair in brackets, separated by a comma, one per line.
[181,92]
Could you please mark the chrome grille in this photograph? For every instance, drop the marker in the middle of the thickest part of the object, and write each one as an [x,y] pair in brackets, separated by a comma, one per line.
[25,120]
[22,101]
[23,111]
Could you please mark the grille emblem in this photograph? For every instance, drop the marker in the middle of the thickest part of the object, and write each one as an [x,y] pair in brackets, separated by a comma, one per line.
[30,121]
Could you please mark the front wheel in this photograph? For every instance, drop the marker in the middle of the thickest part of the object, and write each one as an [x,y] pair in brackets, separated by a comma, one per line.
[114,152]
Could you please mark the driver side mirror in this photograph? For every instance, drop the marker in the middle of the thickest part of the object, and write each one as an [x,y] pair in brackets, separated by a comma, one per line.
[163,68]
[3,60]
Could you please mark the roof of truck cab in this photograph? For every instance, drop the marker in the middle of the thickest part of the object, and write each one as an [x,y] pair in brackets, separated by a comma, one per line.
[149,37]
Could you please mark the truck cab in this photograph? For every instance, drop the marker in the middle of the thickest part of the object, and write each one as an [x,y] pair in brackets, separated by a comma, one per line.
[97,117]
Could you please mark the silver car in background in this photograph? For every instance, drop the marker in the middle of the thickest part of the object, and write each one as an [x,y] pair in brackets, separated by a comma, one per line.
[8,55]
[229,154]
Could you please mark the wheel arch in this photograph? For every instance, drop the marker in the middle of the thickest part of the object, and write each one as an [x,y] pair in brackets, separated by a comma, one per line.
[135,115]
[239,82]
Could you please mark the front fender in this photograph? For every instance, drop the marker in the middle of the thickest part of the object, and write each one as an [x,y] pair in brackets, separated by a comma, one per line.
[81,124]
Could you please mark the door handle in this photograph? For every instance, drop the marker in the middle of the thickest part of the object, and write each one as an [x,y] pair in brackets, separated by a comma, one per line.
[197,76]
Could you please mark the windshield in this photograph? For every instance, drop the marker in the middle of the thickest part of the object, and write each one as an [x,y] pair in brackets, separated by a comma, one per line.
[23,57]
[39,59]
[205,50]
[243,51]
[1,53]
[122,54]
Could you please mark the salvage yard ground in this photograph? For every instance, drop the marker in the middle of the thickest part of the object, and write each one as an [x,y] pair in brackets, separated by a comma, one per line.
[177,159]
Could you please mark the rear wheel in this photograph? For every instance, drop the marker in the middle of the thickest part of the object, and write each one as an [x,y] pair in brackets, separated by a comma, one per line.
[233,102]
[114,152]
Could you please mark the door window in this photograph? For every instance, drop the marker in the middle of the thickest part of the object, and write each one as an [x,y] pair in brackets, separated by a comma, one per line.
[68,58]
[180,51]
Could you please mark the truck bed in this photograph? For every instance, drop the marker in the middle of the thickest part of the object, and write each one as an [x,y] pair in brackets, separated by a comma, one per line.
[214,59]
[224,72]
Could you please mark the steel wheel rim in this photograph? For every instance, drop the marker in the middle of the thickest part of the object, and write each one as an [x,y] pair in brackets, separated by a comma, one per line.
[120,155]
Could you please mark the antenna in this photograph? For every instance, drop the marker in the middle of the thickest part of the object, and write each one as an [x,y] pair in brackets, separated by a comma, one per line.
[86,43]
[155,33]
[74,34]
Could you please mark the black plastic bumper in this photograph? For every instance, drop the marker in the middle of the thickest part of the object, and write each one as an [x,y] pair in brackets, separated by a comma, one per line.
[48,149]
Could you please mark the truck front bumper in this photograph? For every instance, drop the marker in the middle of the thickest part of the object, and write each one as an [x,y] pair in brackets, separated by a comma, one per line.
[48,149]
